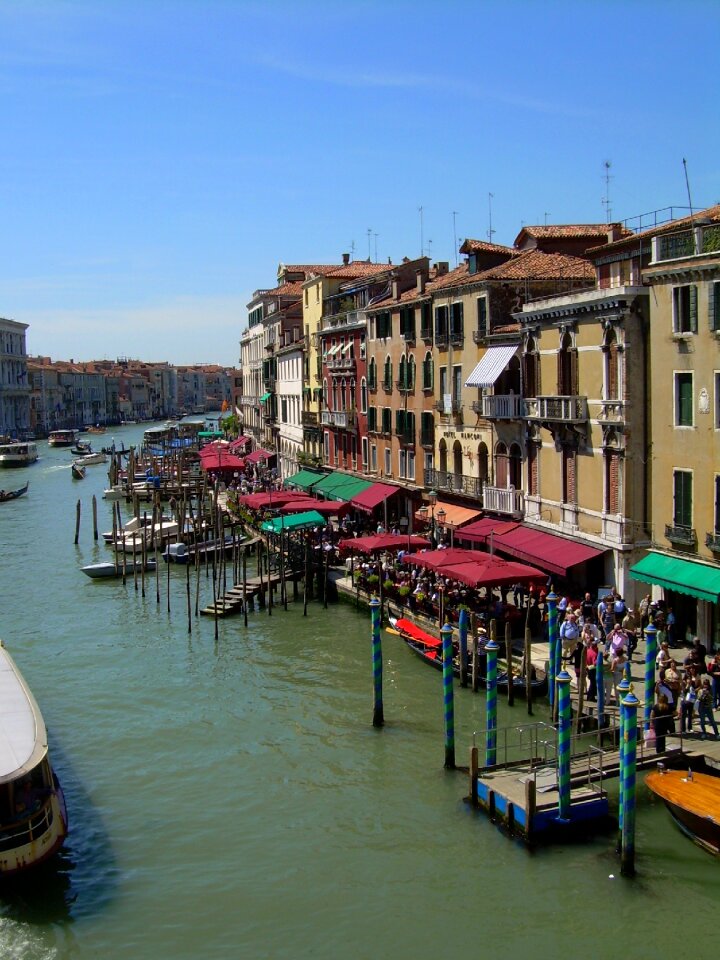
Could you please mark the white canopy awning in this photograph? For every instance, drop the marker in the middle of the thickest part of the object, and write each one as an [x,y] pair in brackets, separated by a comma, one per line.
[492,365]
[333,350]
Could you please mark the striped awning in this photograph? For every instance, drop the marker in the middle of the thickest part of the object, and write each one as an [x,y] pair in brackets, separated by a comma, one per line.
[491,366]
[333,350]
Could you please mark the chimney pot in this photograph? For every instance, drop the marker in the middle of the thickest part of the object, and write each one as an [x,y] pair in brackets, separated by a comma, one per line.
[395,289]
[346,259]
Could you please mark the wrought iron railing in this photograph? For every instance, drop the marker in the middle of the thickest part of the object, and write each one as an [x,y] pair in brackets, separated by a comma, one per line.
[453,483]
[712,541]
[680,534]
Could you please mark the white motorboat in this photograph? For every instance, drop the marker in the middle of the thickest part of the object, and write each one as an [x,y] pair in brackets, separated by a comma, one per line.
[151,535]
[33,816]
[19,454]
[116,492]
[107,569]
[88,459]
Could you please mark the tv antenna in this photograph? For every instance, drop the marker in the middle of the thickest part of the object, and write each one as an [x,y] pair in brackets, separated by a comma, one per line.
[490,231]
[455,243]
[422,241]
[376,235]
[369,233]
[606,199]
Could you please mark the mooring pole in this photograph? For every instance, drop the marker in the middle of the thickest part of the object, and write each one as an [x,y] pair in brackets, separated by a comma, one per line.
[77,522]
[553,638]
[623,689]
[528,670]
[563,750]
[627,779]
[378,716]
[650,655]
[94,515]
[491,649]
[463,623]
[448,696]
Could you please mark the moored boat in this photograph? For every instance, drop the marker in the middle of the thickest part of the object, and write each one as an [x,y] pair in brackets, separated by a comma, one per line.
[33,817]
[20,454]
[62,438]
[13,494]
[96,429]
[107,569]
[693,802]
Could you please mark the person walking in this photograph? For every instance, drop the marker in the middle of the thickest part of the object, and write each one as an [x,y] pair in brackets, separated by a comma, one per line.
[704,704]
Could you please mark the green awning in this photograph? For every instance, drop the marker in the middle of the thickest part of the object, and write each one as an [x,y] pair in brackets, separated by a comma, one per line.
[296,521]
[340,486]
[684,576]
[265,397]
[215,434]
[304,479]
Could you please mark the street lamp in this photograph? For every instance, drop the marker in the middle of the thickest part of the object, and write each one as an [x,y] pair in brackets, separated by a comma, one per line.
[432,500]
[441,517]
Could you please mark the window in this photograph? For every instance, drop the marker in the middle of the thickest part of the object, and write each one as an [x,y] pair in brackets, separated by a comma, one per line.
[383,324]
[683,399]
[388,462]
[363,396]
[441,324]
[386,420]
[402,373]
[410,465]
[372,374]
[685,308]
[402,458]
[427,429]
[457,384]
[362,347]
[373,458]
[427,461]
[365,453]
[456,322]
[327,447]
[407,323]
[482,316]
[427,372]
[717,400]
[443,382]
[372,419]
[387,376]
[426,321]
[682,498]
[411,373]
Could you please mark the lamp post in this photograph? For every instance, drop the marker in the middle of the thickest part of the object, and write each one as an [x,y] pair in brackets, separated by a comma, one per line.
[441,518]
[432,500]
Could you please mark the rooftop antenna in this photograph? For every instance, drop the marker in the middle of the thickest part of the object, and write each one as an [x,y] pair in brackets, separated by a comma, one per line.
[369,233]
[546,215]
[422,242]
[606,199]
[687,186]
[376,236]
[352,249]
[490,227]
[455,243]
[429,246]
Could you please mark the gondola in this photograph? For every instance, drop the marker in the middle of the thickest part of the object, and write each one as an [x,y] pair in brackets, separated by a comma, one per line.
[429,649]
[13,494]
[78,472]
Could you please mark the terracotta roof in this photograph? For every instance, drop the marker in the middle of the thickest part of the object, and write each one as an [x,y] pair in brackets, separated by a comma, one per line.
[285,290]
[710,213]
[306,268]
[357,269]
[536,265]
[480,246]
[564,231]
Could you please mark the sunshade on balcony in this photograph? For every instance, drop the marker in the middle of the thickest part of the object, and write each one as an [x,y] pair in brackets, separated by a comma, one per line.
[492,365]
[370,499]
[300,521]
[684,576]
[384,541]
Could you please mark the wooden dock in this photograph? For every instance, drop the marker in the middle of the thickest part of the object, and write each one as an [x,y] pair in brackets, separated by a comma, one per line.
[232,601]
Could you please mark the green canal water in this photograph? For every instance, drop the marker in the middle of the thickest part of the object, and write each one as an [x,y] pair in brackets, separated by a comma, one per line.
[231,798]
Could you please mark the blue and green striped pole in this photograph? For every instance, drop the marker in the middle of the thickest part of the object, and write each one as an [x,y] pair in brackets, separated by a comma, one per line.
[491,649]
[627,779]
[553,642]
[563,749]
[650,656]
[623,689]
[448,696]
[463,623]
[378,718]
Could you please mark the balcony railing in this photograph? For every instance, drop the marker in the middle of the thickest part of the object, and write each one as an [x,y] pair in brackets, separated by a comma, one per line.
[344,419]
[687,243]
[712,541]
[453,408]
[500,407]
[408,336]
[426,333]
[341,364]
[681,535]
[269,383]
[441,339]
[479,336]
[505,500]
[561,409]
[457,338]
[454,483]
[427,438]
[404,386]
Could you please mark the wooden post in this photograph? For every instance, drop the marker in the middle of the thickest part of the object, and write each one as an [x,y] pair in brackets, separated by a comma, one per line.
[197,582]
[157,576]
[187,591]
[114,536]
[77,522]
[581,689]
[325,590]
[306,585]
[94,514]
[474,775]
[270,580]
[530,807]
[244,583]
[508,654]
[168,586]
[283,585]
[261,594]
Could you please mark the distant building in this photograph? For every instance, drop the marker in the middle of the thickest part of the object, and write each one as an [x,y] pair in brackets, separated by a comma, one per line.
[14,388]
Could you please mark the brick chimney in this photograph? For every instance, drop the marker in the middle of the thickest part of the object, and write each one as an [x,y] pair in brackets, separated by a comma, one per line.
[395,288]
[614,232]
[420,281]
[346,259]
[441,268]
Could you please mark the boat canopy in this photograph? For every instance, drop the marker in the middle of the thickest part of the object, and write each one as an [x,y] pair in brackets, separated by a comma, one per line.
[23,740]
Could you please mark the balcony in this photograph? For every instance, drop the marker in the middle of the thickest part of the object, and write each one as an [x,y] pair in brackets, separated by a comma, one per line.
[387,386]
[558,409]
[712,541]
[427,439]
[686,243]
[343,419]
[403,386]
[408,336]
[612,411]
[269,382]
[479,336]
[442,481]
[453,408]
[441,339]
[500,407]
[506,500]
[681,536]
[426,333]
[457,338]
[308,419]
[341,364]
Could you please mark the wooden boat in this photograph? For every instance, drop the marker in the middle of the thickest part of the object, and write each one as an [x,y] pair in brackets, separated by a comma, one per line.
[81,449]
[63,438]
[693,802]
[116,492]
[20,454]
[33,816]
[96,429]
[78,471]
[107,569]
[429,649]
[13,494]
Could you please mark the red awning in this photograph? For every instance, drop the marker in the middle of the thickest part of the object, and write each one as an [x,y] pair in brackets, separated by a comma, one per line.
[490,571]
[435,559]
[328,508]
[258,455]
[384,541]
[370,499]
[221,460]
[479,532]
[276,499]
[214,446]
[551,553]
[239,444]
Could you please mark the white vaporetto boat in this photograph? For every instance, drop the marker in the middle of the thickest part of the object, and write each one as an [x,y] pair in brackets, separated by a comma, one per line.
[20,454]
[63,438]
[33,817]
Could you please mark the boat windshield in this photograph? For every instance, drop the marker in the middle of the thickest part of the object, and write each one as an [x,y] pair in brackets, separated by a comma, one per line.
[21,798]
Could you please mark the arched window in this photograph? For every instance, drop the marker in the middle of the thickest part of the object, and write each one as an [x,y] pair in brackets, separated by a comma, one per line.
[567,368]
[363,395]
[443,456]
[411,373]
[612,366]
[387,376]
[515,472]
[402,373]
[335,396]
[372,374]
[531,369]
[457,458]
[428,375]
[483,462]
[501,466]
[343,394]
[325,394]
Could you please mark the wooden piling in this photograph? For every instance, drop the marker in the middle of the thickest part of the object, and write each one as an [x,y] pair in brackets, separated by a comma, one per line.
[474,775]
[94,516]
[77,522]
[508,654]
[244,583]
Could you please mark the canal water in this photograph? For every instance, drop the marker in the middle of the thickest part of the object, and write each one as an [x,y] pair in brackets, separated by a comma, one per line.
[231,798]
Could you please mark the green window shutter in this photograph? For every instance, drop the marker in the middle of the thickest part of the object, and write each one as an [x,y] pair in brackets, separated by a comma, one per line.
[714,305]
[683,498]
[693,309]
[411,373]
[685,400]
[410,426]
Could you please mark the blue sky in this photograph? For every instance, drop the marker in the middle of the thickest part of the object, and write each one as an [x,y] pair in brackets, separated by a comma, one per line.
[160,158]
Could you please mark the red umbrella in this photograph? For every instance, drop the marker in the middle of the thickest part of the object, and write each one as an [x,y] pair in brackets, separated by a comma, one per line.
[489,570]
[384,541]
[435,559]
[328,508]
[278,498]
[220,460]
